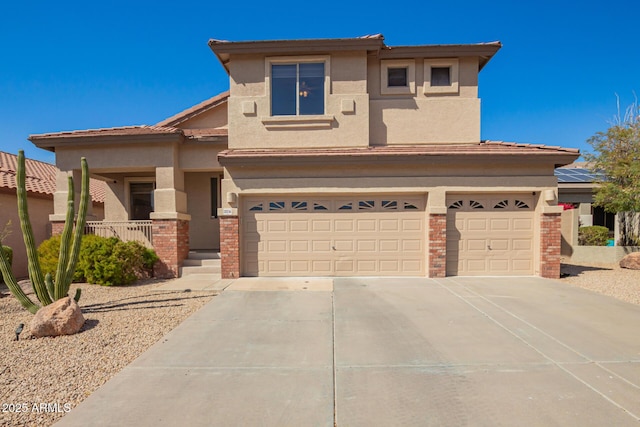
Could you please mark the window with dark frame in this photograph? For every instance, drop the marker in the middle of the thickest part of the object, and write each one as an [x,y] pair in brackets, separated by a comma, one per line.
[440,76]
[397,77]
[297,89]
[214,197]
[141,200]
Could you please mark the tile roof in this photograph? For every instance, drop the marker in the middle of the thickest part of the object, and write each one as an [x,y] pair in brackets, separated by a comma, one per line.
[132,131]
[483,148]
[40,177]
[195,110]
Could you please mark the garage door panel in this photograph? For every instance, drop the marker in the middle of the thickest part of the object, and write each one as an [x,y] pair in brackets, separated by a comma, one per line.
[416,225]
[366,225]
[345,236]
[490,235]
[296,246]
[344,225]
[320,225]
[367,245]
[414,246]
[299,226]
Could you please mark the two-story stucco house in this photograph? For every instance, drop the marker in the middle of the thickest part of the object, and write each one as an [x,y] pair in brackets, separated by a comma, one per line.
[333,157]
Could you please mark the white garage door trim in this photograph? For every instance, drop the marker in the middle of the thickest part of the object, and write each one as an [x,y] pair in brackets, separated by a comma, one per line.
[490,235]
[339,236]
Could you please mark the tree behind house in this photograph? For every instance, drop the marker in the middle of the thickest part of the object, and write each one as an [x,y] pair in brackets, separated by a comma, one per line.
[616,157]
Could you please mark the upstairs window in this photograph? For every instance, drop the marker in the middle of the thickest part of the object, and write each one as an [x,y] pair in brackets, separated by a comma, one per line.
[440,76]
[297,89]
[397,77]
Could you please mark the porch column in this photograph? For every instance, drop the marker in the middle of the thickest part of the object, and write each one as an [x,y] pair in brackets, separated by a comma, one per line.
[230,246]
[550,243]
[170,221]
[60,199]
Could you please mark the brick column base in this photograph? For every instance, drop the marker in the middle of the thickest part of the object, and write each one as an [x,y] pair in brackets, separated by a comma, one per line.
[57,227]
[171,243]
[230,247]
[437,245]
[550,241]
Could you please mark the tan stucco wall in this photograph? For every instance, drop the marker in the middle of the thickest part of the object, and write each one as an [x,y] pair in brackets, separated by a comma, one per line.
[214,118]
[418,118]
[39,211]
[204,231]
[338,129]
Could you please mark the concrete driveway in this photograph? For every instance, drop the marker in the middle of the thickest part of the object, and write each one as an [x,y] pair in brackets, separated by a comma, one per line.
[386,352]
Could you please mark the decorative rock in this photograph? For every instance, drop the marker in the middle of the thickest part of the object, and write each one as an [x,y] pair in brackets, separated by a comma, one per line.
[63,317]
[631,261]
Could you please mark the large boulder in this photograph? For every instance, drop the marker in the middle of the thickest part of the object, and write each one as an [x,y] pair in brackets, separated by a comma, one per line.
[63,317]
[631,261]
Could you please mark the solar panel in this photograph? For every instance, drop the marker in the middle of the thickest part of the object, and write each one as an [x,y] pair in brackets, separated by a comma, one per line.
[576,175]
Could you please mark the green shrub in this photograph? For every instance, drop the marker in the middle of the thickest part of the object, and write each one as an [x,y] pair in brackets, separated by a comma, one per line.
[594,235]
[104,261]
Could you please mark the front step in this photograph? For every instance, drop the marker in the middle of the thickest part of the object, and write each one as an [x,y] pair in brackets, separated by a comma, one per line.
[201,263]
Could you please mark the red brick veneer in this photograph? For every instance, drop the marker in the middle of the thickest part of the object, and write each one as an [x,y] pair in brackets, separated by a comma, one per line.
[230,247]
[550,241]
[437,245]
[171,243]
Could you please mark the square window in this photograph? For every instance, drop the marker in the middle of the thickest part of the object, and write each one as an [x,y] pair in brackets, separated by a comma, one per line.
[141,200]
[297,89]
[397,77]
[441,76]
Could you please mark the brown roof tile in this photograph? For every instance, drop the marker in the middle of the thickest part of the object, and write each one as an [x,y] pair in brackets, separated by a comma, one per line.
[114,131]
[195,110]
[483,148]
[40,177]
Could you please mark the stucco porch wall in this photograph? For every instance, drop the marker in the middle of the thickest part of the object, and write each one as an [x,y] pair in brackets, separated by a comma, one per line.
[598,255]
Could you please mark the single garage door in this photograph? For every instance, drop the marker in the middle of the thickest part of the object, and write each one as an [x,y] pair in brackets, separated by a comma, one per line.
[490,235]
[342,236]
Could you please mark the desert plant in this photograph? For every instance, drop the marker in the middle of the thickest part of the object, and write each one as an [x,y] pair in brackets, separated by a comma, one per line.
[46,288]
[8,253]
[594,235]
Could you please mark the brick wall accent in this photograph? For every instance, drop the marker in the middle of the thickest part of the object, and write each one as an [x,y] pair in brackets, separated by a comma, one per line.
[230,247]
[437,245]
[171,243]
[57,227]
[550,239]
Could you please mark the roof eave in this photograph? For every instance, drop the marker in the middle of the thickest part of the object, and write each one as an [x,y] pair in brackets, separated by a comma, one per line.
[51,141]
[483,51]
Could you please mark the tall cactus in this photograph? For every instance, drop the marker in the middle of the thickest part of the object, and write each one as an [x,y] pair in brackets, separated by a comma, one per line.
[45,288]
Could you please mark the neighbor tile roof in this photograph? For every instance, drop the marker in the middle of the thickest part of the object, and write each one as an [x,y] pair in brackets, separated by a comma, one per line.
[483,148]
[40,177]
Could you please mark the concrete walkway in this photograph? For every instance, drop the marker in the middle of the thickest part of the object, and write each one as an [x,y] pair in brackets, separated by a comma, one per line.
[386,352]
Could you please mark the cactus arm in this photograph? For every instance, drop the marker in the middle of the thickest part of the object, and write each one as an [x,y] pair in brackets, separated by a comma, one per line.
[35,273]
[63,257]
[13,286]
[79,231]
[49,283]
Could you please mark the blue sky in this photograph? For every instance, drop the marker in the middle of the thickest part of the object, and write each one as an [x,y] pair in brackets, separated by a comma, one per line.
[79,65]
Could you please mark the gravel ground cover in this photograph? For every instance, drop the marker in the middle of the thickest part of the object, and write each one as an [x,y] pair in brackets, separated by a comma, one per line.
[45,378]
[611,280]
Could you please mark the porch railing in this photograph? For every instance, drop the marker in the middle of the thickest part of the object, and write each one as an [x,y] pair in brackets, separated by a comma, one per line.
[139,231]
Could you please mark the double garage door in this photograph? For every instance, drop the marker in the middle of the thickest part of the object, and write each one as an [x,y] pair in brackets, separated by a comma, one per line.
[341,236]
[490,235]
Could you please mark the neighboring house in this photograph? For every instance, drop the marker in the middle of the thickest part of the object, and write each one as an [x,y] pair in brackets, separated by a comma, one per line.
[333,157]
[40,183]
[576,187]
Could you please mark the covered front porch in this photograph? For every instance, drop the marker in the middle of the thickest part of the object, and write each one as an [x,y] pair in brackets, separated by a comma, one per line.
[162,187]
